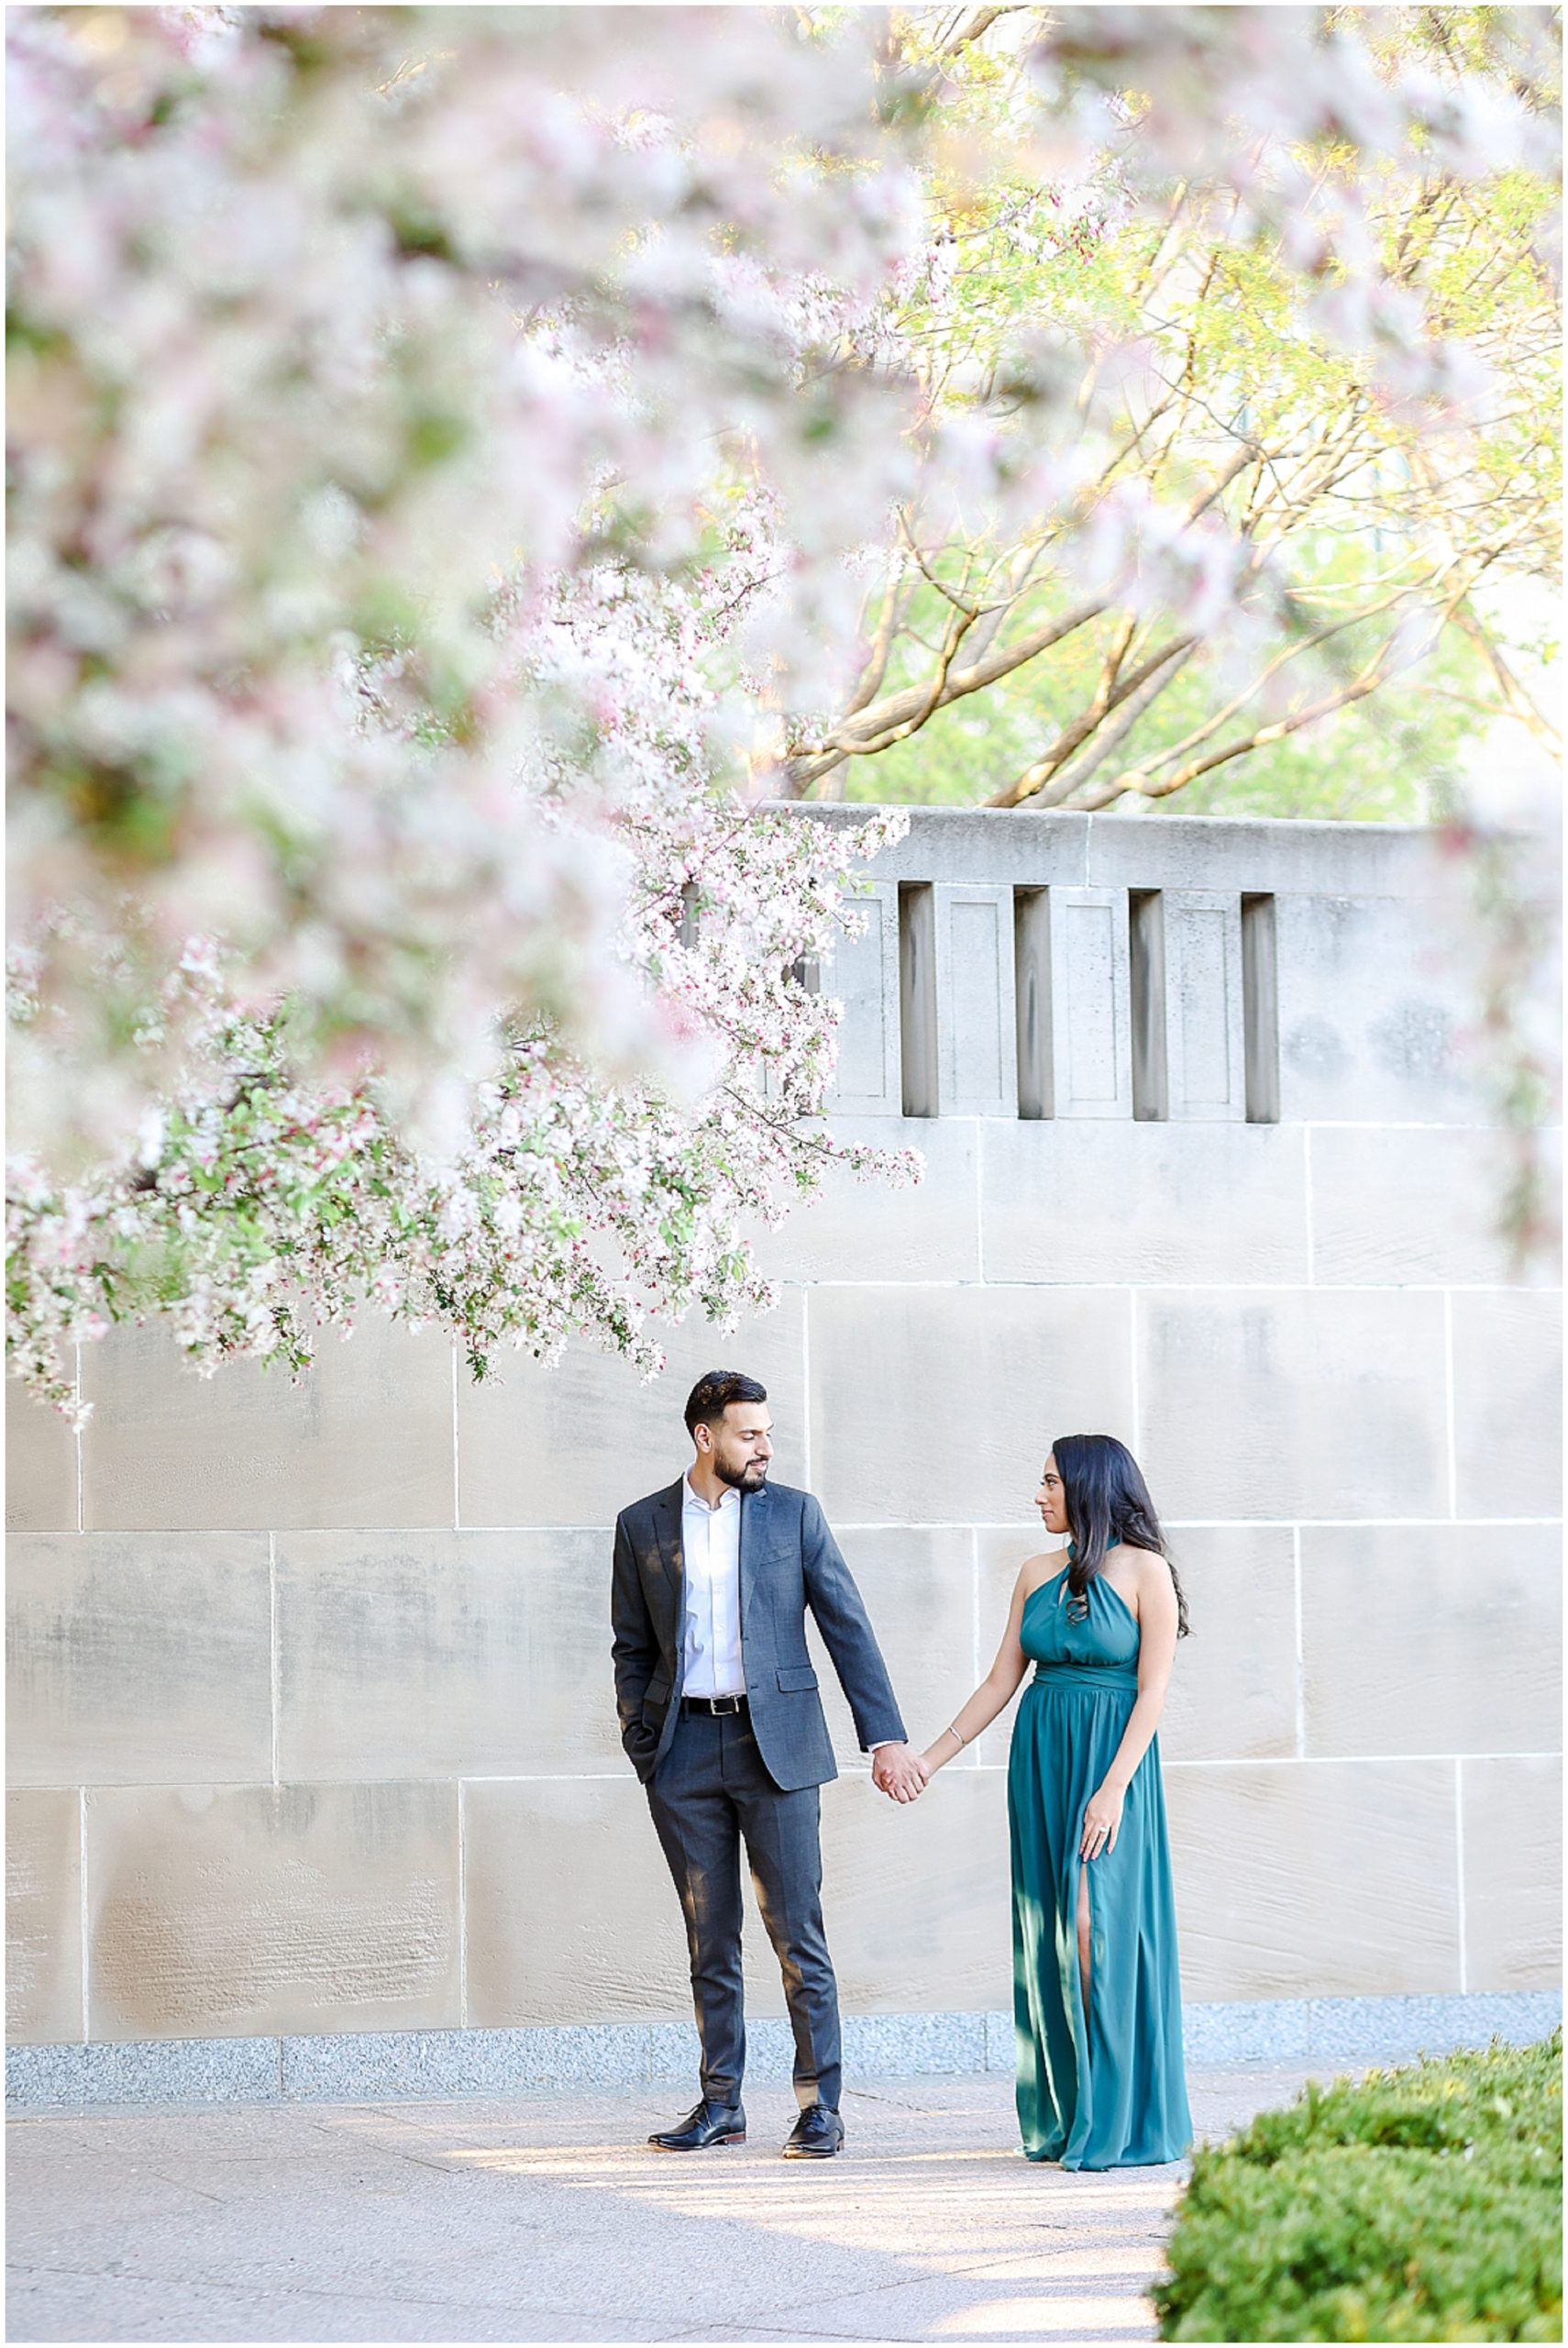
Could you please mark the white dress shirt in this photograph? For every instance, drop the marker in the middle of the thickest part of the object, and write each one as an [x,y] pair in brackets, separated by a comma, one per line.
[711,1631]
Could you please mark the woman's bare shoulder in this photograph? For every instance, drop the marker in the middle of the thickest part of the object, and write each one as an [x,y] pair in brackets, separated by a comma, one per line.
[1148,1567]
[1042,1569]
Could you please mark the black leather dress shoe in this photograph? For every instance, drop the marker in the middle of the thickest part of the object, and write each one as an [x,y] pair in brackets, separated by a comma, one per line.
[709,2123]
[816,2135]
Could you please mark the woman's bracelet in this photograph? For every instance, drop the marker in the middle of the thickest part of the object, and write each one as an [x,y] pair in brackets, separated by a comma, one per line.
[957,1732]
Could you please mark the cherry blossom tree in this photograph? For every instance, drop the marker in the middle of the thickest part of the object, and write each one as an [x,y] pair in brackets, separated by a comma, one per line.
[448,451]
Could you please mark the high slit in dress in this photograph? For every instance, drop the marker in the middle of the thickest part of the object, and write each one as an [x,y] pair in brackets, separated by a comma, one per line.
[1110,2093]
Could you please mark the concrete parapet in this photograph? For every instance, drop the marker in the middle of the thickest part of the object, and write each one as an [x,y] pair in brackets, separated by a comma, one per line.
[1023,991]
[1015,846]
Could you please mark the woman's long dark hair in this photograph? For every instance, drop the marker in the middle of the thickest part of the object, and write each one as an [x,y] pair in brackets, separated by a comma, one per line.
[1107,1500]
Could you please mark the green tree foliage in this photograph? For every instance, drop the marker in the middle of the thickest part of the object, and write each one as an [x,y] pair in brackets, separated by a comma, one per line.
[1239,449]
[1392,758]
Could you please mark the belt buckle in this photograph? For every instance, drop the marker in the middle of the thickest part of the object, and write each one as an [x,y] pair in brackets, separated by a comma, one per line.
[724,1705]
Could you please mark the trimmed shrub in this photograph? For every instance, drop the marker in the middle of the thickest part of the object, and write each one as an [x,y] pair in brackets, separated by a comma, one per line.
[1424,2203]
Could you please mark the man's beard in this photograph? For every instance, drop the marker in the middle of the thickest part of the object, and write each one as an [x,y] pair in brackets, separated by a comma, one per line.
[748,1478]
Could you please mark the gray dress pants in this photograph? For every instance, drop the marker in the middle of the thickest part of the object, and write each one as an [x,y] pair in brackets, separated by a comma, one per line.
[710,1793]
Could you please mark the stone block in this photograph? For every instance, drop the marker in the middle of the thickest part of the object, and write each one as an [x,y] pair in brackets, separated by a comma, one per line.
[1513,1873]
[918,1583]
[183,2071]
[379,2064]
[1371,1011]
[571,1915]
[1411,1205]
[675,2052]
[855,1230]
[1232,1689]
[1204,1057]
[577,1443]
[242,1910]
[1266,2030]
[976,1021]
[863,974]
[1431,1638]
[1091,1014]
[44,2078]
[1311,1404]
[1080,1201]
[1139,851]
[40,1466]
[916,1896]
[983,844]
[139,1658]
[364,1438]
[437,1654]
[1263,854]
[1315,1878]
[1000,1554]
[1397,2029]
[43,1916]
[933,1405]
[914,2045]
[1508,1404]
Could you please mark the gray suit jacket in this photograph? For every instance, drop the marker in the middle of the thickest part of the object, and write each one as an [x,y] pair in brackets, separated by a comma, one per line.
[788,1560]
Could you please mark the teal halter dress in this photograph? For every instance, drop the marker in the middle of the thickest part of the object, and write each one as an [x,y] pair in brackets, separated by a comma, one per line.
[1109,2093]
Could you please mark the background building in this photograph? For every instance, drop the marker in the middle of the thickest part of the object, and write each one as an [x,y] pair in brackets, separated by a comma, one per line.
[316,1782]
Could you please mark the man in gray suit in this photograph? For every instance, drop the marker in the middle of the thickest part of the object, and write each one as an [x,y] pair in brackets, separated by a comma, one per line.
[722,1719]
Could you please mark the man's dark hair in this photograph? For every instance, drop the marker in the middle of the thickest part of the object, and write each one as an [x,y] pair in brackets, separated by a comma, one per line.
[713,1393]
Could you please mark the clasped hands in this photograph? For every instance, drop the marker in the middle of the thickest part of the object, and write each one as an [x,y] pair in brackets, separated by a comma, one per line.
[901,1775]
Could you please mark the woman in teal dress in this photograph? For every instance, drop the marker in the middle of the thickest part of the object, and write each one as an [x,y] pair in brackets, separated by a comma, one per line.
[1096,1993]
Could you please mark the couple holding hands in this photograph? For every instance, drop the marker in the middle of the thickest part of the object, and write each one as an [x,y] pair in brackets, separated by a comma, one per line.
[722,1719]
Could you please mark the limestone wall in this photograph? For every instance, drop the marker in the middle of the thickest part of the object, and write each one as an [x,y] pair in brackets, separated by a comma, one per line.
[311,1723]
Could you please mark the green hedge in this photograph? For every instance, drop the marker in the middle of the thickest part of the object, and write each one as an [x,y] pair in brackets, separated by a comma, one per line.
[1423,2204]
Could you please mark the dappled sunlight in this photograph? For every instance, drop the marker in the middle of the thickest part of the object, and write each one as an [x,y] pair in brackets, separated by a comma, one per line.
[970,2242]
[1003,2218]
[1054,2318]
[1104,2258]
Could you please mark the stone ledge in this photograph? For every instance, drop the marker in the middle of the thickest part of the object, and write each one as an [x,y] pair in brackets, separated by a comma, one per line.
[384,2065]
[1274,854]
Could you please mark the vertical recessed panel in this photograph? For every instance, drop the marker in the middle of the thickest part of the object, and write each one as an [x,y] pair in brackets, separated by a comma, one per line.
[1203,997]
[1091,1008]
[863,974]
[974,1000]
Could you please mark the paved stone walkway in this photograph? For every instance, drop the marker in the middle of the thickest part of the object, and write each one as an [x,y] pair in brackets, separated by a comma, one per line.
[543,2217]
